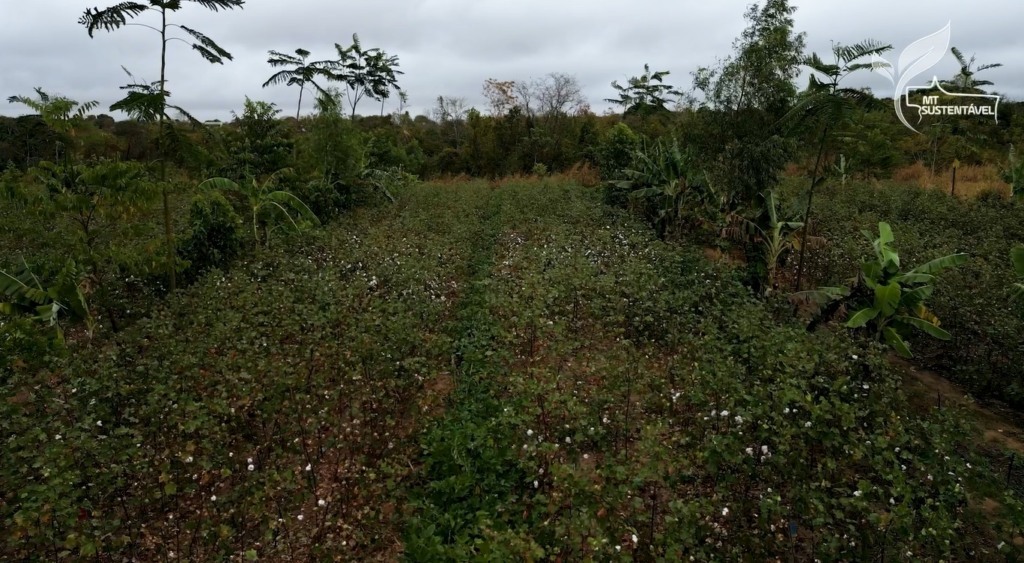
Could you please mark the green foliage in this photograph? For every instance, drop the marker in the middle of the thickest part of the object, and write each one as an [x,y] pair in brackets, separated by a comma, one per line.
[735,127]
[828,107]
[266,205]
[60,113]
[300,74]
[389,181]
[965,78]
[644,94]
[664,182]
[149,101]
[53,303]
[888,301]
[333,153]
[1017,257]
[615,153]
[215,239]
[96,199]
[261,144]
[366,73]
[464,365]
[778,237]
[1013,173]
[984,355]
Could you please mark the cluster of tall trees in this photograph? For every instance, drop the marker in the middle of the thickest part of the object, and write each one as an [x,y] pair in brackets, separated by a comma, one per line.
[736,118]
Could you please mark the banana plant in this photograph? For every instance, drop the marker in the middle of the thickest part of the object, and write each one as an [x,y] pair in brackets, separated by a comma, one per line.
[886,300]
[778,238]
[1017,257]
[24,293]
[265,203]
[1014,173]
[663,181]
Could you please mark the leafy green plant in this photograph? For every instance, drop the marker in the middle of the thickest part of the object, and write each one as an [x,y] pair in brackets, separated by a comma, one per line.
[965,78]
[266,204]
[300,74]
[215,239]
[51,303]
[1017,258]
[366,73]
[97,197]
[777,239]
[150,101]
[61,113]
[615,152]
[260,145]
[645,93]
[1013,174]
[388,180]
[664,183]
[886,300]
[827,105]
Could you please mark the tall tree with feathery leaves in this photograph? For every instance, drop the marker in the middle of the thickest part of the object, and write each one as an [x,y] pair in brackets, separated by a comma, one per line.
[299,74]
[827,105]
[965,78]
[58,112]
[366,73]
[151,100]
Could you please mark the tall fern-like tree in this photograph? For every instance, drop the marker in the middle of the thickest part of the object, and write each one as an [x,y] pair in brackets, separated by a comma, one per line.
[827,105]
[366,73]
[965,78]
[299,72]
[645,92]
[151,100]
[58,112]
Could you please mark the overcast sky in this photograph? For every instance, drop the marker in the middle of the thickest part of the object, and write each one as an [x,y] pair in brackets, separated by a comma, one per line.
[449,47]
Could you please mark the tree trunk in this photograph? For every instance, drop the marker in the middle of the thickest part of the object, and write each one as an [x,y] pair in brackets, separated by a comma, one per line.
[807,212]
[162,153]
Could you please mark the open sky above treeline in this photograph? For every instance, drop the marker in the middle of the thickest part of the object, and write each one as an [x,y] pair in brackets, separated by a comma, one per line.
[449,47]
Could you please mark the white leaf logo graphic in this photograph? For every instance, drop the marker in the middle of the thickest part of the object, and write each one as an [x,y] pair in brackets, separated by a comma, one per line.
[883,67]
[917,58]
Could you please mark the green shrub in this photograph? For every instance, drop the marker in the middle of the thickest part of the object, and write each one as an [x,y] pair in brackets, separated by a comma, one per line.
[615,152]
[215,240]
